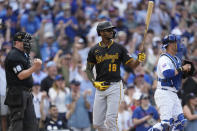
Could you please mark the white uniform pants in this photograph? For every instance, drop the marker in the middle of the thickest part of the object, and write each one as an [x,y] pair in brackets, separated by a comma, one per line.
[168,103]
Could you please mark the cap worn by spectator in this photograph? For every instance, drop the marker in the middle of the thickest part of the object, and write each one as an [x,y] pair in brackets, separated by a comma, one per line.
[136,96]
[50,64]
[36,84]
[191,96]
[75,82]
[144,96]
[130,86]
[59,77]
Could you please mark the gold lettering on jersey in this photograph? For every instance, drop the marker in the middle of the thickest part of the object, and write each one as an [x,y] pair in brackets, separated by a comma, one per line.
[100,59]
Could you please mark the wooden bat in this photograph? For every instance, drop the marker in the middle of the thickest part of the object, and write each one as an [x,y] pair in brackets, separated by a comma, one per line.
[148,16]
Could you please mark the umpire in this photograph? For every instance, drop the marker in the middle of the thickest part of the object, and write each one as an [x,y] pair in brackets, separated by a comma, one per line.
[19,83]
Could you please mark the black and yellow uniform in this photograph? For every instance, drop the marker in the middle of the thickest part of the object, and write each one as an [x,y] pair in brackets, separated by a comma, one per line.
[19,97]
[108,60]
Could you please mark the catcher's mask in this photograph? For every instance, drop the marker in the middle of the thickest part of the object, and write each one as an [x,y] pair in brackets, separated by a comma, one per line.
[105,25]
[172,38]
[168,39]
[25,38]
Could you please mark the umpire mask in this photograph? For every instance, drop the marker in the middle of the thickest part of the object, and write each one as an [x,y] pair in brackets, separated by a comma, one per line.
[26,39]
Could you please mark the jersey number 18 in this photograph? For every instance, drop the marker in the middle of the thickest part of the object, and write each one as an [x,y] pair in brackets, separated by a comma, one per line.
[112,67]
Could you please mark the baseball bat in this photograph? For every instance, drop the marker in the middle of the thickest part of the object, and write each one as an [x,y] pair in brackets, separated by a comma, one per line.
[148,17]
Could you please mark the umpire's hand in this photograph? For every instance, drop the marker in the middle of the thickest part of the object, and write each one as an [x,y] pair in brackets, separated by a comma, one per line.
[37,63]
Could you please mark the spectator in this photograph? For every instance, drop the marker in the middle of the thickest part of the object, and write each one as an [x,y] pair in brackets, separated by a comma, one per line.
[144,116]
[124,117]
[129,95]
[53,122]
[38,76]
[47,82]
[58,93]
[78,118]
[50,47]
[87,87]
[190,112]
[64,64]
[11,18]
[71,24]
[30,23]
[3,108]
[37,99]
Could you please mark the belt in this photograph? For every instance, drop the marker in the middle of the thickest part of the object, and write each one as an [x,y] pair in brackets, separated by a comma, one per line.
[23,88]
[168,90]
[165,81]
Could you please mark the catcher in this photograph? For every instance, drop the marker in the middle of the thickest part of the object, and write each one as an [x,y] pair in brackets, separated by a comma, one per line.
[170,72]
[107,56]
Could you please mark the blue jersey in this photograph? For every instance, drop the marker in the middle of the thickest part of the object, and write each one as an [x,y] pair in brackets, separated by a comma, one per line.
[139,113]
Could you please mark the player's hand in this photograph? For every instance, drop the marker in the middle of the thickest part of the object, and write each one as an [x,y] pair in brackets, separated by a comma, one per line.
[102,86]
[141,57]
[186,67]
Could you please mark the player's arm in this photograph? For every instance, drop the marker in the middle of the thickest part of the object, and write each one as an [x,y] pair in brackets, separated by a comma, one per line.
[133,63]
[89,71]
[167,71]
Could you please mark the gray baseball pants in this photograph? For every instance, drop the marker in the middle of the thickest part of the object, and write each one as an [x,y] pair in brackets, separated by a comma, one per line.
[105,109]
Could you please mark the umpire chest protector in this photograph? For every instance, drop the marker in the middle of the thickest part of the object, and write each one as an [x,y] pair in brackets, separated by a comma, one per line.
[176,80]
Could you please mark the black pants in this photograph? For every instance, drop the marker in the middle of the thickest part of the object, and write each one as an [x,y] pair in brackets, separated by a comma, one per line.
[23,118]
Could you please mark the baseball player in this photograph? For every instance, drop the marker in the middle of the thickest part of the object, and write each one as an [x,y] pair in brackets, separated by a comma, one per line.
[107,56]
[169,72]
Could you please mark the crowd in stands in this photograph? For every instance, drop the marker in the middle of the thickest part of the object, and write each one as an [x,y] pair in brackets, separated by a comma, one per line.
[64,31]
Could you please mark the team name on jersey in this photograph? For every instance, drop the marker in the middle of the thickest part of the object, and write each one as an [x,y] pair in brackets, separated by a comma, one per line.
[101,58]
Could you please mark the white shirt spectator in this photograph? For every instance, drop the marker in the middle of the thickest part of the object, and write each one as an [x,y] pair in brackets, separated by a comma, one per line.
[124,120]
[36,102]
[59,99]
[121,5]
[2,82]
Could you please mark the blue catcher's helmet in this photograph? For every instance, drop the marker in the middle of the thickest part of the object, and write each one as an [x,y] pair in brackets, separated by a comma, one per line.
[168,39]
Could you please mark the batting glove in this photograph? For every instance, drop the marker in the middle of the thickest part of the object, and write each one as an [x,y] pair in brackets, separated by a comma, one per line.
[102,86]
[141,57]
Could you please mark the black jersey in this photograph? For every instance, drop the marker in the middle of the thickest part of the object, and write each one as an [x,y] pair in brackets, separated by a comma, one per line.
[15,62]
[108,60]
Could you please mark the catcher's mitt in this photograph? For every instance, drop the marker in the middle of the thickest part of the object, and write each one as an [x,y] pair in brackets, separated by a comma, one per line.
[191,72]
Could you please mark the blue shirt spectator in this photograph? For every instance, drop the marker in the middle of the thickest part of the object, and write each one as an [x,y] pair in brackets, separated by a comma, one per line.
[145,110]
[77,104]
[30,23]
[49,48]
[70,22]
[79,118]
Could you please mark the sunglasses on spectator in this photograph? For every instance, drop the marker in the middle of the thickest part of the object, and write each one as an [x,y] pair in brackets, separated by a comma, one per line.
[145,98]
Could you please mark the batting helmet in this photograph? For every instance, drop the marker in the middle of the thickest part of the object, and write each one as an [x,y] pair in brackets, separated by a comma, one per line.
[25,38]
[168,39]
[103,26]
